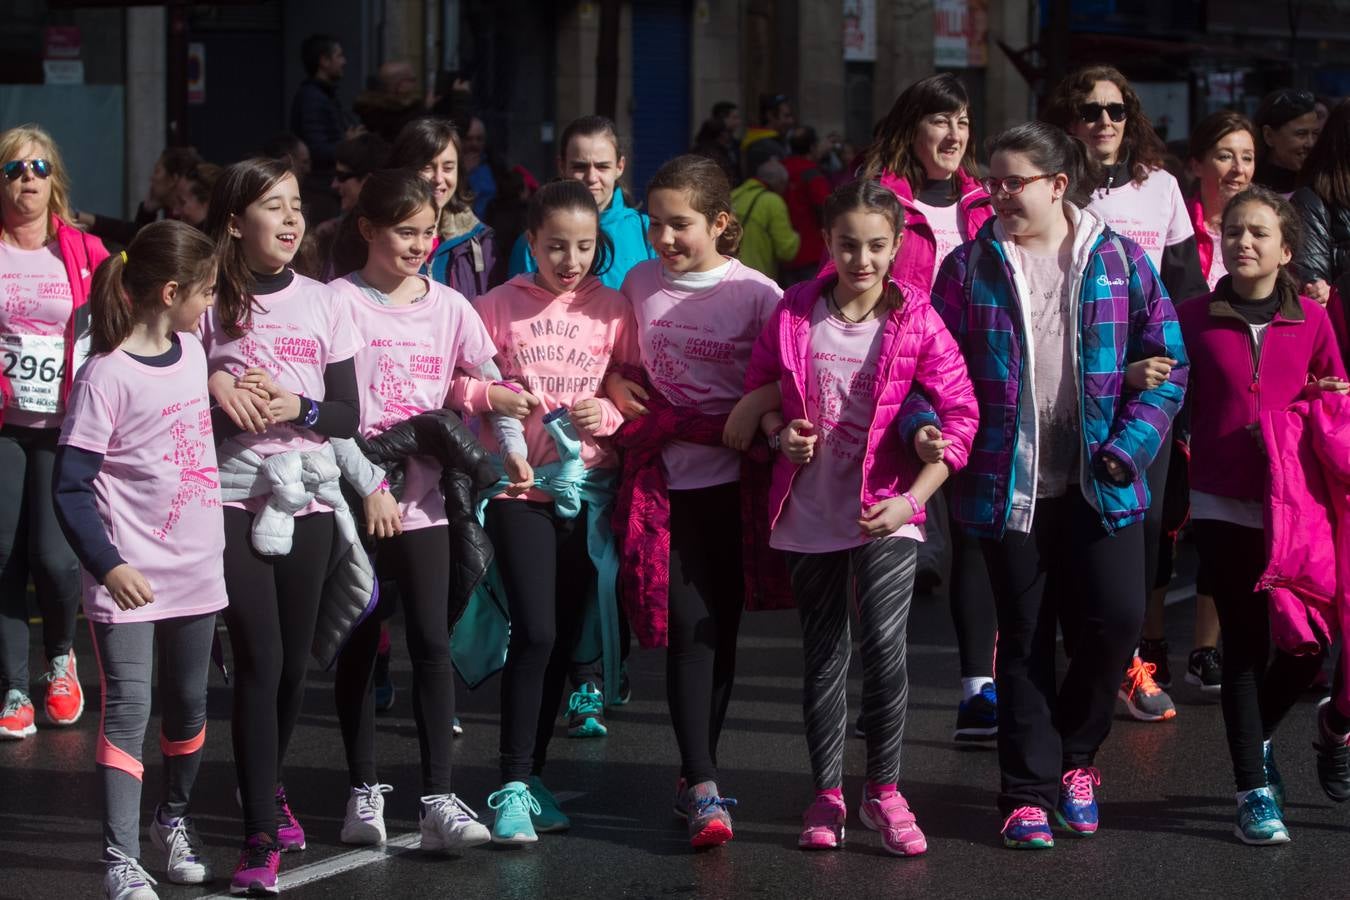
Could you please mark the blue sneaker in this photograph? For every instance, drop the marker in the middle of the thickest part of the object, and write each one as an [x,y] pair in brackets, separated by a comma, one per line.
[977,718]
[514,805]
[1077,810]
[1028,829]
[1273,779]
[1258,819]
[550,816]
[586,713]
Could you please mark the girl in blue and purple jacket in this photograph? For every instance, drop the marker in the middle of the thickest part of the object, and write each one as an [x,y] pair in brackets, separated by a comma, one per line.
[1050,306]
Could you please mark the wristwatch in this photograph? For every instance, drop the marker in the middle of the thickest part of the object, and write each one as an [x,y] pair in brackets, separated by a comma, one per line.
[311,413]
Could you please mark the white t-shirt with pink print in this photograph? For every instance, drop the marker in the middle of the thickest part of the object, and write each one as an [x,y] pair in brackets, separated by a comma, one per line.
[696,347]
[157,491]
[1152,214]
[35,307]
[296,332]
[405,367]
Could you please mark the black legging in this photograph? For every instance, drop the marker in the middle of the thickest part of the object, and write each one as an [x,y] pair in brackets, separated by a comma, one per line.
[972,606]
[419,563]
[31,544]
[1255,696]
[706,597]
[546,572]
[274,603]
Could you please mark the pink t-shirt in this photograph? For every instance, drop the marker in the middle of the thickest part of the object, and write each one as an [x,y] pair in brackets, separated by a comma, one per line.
[696,347]
[1052,335]
[824,504]
[1216,267]
[559,346]
[406,367]
[300,330]
[35,307]
[1152,214]
[946,224]
[158,491]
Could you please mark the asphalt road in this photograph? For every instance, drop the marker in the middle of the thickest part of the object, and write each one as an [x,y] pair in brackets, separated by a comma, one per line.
[1167,801]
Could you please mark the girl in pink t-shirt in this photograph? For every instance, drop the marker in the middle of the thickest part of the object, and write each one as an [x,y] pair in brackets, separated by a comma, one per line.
[698,312]
[280,349]
[556,333]
[138,498]
[846,349]
[417,334]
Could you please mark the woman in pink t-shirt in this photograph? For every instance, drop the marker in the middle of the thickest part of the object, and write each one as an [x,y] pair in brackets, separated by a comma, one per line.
[845,350]
[556,333]
[280,351]
[417,335]
[1142,201]
[698,312]
[138,497]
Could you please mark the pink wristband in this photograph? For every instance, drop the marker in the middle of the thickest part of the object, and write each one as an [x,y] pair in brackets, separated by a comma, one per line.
[914,504]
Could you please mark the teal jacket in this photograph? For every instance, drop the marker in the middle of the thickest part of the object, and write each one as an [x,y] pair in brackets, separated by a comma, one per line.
[627,230]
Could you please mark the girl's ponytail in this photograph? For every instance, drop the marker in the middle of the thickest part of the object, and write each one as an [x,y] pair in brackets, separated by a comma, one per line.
[129,285]
[730,240]
[110,318]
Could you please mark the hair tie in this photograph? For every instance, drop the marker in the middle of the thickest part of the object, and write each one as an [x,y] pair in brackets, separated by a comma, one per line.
[124,257]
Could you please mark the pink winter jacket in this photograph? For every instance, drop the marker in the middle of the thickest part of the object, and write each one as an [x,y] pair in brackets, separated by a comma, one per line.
[1308,524]
[916,350]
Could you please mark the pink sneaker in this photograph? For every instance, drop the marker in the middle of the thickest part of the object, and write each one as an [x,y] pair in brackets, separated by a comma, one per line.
[890,815]
[259,864]
[290,833]
[823,824]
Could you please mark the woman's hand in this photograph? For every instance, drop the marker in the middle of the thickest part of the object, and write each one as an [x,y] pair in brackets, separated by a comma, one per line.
[1318,290]
[930,445]
[382,515]
[516,404]
[626,395]
[248,408]
[284,406]
[587,415]
[520,473]
[128,588]
[886,517]
[1147,374]
[1118,473]
[799,441]
[1334,385]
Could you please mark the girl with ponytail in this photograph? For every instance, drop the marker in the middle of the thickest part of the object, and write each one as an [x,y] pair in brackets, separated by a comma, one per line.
[698,312]
[1057,305]
[137,463]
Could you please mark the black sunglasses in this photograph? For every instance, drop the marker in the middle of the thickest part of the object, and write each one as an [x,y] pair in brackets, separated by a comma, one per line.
[15,168]
[1299,99]
[1091,112]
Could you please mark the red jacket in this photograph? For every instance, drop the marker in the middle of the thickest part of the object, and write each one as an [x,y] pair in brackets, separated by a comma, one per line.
[81,253]
[1308,525]
[1228,393]
[808,189]
[642,515]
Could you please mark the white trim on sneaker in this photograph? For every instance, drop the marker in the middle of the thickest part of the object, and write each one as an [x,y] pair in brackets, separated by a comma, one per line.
[363,824]
[448,823]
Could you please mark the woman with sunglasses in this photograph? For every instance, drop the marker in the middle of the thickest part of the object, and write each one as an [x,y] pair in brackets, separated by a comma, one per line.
[1140,200]
[1056,304]
[47,267]
[923,152]
[1287,130]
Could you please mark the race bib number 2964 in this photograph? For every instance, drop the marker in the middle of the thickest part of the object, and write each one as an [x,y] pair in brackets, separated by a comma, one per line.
[34,365]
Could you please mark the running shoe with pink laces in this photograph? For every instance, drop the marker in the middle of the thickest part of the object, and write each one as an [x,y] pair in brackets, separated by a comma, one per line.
[290,833]
[1027,828]
[1143,698]
[1077,810]
[889,814]
[823,824]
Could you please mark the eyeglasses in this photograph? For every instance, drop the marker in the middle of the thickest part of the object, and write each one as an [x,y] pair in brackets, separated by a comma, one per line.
[15,168]
[1091,112]
[1012,185]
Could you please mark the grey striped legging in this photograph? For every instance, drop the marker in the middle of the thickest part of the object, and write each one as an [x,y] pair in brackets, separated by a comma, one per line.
[879,576]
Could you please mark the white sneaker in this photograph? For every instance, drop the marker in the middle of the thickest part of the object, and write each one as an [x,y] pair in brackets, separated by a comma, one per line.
[126,880]
[449,824]
[184,861]
[364,822]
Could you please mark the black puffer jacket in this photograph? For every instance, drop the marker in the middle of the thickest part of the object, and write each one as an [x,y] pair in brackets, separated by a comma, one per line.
[466,470]
[1326,238]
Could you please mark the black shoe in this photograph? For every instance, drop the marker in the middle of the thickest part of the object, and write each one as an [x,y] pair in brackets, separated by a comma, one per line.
[977,718]
[1333,758]
[1205,670]
[1156,652]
